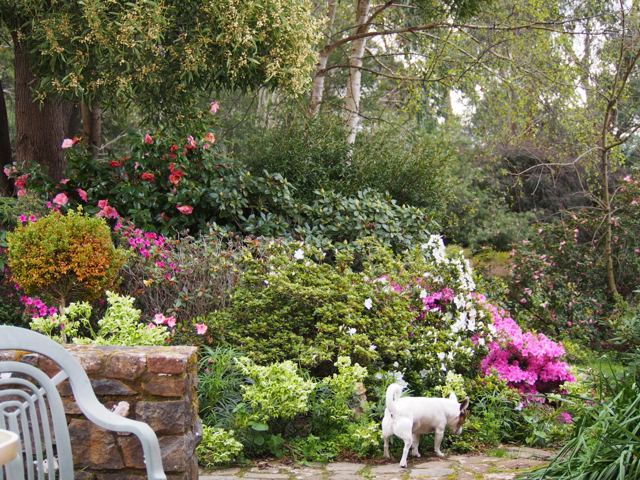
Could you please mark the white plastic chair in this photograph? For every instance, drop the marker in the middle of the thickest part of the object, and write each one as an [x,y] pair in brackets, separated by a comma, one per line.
[30,406]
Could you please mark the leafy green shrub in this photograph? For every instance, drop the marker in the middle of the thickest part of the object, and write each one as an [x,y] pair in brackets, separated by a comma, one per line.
[415,309]
[119,326]
[65,257]
[605,443]
[217,447]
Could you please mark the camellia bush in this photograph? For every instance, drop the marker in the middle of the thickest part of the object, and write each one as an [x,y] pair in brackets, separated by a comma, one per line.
[64,257]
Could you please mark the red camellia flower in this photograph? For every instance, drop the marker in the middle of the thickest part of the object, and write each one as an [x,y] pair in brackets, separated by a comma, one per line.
[175,179]
[173,148]
[148,139]
[148,176]
[114,164]
[186,209]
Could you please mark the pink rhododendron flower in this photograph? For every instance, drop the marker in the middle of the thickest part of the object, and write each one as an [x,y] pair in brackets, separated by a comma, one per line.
[201,329]
[83,194]
[186,209]
[159,318]
[171,322]
[148,139]
[61,199]
[67,143]
[214,107]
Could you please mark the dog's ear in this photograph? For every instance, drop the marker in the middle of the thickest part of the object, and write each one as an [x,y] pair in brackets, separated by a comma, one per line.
[464,405]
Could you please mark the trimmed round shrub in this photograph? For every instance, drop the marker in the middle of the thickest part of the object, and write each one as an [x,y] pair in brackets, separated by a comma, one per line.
[67,257]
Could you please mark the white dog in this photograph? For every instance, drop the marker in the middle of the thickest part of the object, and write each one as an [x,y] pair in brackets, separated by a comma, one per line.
[410,417]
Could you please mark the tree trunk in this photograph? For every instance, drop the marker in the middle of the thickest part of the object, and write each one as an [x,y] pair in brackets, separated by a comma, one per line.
[606,200]
[6,187]
[40,127]
[92,126]
[318,80]
[355,73]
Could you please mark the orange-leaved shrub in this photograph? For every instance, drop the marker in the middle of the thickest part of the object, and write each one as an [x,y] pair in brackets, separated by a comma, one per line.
[66,257]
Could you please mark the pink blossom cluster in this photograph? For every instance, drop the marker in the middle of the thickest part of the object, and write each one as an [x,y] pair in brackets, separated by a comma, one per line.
[36,307]
[439,300]
[529,362]
[142,241]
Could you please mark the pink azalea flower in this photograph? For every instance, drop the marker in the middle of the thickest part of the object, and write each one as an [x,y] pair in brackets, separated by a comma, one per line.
[61,199]
[186,209]
[159,318]
[22,218]
[148,139]
[201,329]
[171,322]
[67,143]
[214,107]
[32,218]
[83,194]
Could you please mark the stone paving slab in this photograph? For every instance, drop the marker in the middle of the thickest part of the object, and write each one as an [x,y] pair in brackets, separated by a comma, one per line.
[453,467]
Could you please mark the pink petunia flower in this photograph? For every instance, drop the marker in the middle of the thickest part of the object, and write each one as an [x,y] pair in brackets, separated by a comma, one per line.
[201,329]
[67,143]
[83,194]
[186,209]
[61,199]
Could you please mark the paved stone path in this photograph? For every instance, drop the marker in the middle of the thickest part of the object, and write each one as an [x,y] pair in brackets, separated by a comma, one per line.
[459,467]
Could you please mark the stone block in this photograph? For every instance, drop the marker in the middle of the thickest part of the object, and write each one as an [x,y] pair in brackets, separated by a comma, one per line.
[47,365]
[94,446]
[111,387]
[126,365]
[30,359]
[71,408]
[120,476]
[83,475]
[8,356]
[90,361]
[167,363]
[166,386]
[166,418]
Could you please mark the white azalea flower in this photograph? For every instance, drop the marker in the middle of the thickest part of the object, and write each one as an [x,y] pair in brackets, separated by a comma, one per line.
[368,304]
[352,331]
[423,293]
[299,254]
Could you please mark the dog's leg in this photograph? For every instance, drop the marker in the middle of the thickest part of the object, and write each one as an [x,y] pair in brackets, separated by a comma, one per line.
[438,441]
[405,452]
[403,429]
[386,447]
[416,444]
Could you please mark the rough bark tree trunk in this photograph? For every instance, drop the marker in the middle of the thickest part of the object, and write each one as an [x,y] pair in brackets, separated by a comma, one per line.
[6,187]
[40,128]
[92,126]
[355,72]
[318,80]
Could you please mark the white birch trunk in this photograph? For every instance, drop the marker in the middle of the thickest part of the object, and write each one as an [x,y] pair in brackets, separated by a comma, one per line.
[318,79]
[355,73]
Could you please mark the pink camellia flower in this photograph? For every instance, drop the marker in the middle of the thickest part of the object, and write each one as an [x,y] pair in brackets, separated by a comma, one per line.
[83,194]
[103,203]
[206,146]
[201,329]
[67,143]
[7,171]
[192,143]
[186,209]
[210,137]
[108,212]
[214,107]
[148,139]
[64,181]
[171,322]
[61,199]
[22,192]
[20,183]
[159,318]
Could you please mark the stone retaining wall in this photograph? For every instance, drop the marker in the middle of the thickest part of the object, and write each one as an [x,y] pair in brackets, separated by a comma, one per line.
[159,384]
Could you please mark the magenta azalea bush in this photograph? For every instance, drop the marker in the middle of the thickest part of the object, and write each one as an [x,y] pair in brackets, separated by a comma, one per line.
[530,362]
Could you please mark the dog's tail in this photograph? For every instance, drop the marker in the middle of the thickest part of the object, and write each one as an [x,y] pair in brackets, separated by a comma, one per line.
[393,393]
